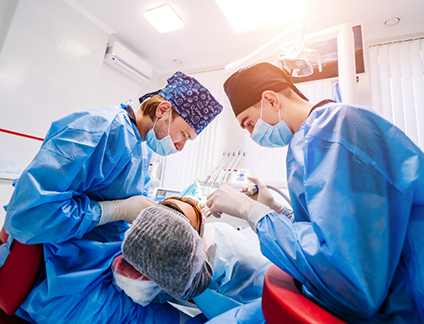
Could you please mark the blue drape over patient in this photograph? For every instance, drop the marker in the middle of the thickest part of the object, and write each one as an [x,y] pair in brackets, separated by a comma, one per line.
[357,188]
[239,269]
[86,157]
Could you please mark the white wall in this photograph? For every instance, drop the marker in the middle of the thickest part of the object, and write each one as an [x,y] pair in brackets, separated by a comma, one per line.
[51,64]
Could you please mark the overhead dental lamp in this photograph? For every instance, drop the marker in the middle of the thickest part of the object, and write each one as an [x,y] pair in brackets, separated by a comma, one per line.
[295,60]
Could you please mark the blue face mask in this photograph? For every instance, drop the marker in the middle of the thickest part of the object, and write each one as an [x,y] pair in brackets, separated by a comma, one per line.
[163,147]
[271,136]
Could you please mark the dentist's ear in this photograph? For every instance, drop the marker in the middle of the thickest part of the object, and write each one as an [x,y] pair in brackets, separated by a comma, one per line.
[163,108]
[272,98]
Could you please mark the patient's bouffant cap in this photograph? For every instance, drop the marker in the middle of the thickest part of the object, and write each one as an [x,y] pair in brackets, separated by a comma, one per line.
[244,88]
[162,245]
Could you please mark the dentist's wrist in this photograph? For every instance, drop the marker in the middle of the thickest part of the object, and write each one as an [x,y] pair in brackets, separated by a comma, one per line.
[259,212]
[107,212]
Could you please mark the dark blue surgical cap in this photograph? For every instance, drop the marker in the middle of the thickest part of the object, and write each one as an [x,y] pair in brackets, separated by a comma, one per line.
[192,101]
[244,88]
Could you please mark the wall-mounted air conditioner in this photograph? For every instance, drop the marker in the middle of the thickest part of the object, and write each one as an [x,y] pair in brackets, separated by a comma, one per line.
[125,61]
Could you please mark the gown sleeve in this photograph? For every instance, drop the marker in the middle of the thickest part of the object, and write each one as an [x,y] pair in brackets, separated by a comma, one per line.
[51,202]
[347,254]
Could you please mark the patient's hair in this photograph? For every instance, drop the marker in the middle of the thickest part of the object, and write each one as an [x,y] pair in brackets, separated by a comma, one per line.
[149,106]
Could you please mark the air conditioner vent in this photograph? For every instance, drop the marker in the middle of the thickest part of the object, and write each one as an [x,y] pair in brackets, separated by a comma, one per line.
[125,61]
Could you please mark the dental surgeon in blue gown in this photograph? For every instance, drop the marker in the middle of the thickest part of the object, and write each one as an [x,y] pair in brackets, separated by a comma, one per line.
[86,184]
[356,185]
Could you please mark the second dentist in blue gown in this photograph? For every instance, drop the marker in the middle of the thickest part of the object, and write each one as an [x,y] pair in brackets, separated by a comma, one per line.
[356,184]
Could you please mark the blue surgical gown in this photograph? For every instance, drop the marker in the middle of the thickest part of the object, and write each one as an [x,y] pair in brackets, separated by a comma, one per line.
[356,184]
[239,269]
[86,157]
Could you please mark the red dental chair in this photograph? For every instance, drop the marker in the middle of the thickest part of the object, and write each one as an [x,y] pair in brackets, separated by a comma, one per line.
[18,276]
[283,302]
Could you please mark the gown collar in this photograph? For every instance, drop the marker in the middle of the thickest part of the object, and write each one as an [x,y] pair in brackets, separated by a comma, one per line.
[130,113]
[320,104]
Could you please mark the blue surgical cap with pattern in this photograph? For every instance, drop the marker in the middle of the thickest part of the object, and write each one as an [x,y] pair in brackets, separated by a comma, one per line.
[192,101]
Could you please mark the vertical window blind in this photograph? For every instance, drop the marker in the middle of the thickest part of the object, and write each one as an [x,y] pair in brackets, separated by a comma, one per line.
[397,85]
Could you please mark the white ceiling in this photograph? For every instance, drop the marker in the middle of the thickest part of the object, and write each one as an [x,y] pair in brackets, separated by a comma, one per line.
[207,42]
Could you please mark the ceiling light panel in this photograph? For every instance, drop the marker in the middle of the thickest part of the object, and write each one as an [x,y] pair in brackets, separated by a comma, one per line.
[164,19]
[249,15]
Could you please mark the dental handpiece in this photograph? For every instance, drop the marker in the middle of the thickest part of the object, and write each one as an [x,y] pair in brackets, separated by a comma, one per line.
[253,190]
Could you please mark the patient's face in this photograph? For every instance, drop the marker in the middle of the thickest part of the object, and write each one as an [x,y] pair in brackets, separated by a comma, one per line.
[189,211]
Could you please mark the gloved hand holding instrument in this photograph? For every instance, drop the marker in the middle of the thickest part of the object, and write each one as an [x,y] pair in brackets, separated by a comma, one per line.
[263,195]
[230,201]
[242,203]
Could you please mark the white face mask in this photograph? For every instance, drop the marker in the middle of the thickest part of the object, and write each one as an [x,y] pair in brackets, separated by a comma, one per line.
[163,147]
[266,135]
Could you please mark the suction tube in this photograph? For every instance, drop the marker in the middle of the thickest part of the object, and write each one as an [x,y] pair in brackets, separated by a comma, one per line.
[254,190]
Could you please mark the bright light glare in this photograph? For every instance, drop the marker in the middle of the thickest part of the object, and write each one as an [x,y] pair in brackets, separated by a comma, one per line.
[164,19]
[247,15]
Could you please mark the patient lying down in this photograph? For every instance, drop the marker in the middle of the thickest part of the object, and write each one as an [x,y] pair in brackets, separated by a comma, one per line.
[164,258]
[163,245]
